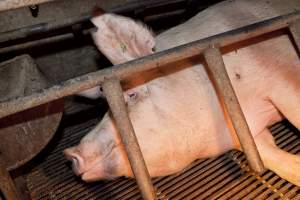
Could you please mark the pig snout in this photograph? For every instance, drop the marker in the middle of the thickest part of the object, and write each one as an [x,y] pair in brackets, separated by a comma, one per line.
[98,156]
[86,171]
[77,160]
[92,169]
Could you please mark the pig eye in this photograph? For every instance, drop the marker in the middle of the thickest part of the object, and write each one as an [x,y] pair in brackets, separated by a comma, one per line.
[133,95]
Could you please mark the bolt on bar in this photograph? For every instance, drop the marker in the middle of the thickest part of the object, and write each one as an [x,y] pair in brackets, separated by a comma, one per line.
[122,71]
[114,95]
[295,30]
[220,78]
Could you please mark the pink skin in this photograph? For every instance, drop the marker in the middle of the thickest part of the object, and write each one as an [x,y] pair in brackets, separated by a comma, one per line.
[175,111]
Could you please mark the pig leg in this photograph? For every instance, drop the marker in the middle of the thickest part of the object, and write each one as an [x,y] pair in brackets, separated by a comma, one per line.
[285,95]
[284,164]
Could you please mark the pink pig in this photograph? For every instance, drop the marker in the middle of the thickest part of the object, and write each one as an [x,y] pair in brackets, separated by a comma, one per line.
[175,111]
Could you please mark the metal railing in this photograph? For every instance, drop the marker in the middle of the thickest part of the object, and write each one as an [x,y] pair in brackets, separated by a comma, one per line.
[110,80]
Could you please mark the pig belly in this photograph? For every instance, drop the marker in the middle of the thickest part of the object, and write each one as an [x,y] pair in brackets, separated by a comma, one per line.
[170,152]
[193,128]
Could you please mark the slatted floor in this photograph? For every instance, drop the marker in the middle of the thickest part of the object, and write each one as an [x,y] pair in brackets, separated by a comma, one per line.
[224,177]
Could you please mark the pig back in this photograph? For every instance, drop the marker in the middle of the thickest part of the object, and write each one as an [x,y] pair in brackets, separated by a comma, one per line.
[222,17]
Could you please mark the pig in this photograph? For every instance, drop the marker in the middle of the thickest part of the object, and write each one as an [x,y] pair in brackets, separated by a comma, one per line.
[174,109]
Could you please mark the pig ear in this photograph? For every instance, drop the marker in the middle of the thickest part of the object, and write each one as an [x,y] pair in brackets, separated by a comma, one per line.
[122,39]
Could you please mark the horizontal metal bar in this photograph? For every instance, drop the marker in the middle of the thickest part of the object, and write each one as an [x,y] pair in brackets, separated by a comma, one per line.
[41,28]
[122,71]
[51,25]
[220,78]
[12,4]
[49,40]
[295,30]
[114,95]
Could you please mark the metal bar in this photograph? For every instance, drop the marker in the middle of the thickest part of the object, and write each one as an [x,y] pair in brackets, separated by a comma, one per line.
[217,71]
[24,32]
[114,95]
[49,40]
[122,71]
[42,28]
[7,186]
[12,4]
[295,30]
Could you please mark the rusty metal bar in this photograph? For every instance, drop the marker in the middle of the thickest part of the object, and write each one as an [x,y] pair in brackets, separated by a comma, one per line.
[122,71]
[295,30]
[218,73]
[12,4]
[114,95]
[7,186]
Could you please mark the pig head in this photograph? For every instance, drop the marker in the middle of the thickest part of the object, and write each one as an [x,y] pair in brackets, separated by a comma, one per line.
[175,111]
[100,154]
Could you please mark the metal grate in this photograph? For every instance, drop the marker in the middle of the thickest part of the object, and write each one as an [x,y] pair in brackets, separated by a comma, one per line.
[224,177]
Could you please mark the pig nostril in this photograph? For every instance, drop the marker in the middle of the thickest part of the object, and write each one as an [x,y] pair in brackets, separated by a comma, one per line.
[77,161]
[77,164]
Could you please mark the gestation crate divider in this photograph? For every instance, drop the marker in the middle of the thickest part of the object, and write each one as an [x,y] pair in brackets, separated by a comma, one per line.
[110,79]
[114,94]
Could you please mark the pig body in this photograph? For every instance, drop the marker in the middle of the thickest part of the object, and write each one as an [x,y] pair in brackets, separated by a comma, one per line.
[174,109]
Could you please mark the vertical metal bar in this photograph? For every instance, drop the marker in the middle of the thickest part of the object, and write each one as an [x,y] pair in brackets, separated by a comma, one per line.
[295,30]
[217,71]
[114,95]
[7,185]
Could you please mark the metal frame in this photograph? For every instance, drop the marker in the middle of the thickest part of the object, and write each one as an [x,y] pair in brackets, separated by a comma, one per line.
[7,185]
[109,79]
[84,18]
[13,4]
[217,71]
[113,91]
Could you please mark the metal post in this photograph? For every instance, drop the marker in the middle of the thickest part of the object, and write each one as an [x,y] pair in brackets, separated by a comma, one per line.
[7,186]
[114,95]
[217,71]
[295,30]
